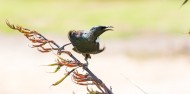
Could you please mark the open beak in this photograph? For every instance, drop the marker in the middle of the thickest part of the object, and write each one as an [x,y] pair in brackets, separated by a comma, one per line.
[100,30]
[107,28]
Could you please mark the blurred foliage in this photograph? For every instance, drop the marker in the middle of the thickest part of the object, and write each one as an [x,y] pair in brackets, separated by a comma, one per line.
[129,17]
[185,2]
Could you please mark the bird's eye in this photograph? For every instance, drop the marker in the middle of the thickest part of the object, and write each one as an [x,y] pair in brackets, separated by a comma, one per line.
[92,28]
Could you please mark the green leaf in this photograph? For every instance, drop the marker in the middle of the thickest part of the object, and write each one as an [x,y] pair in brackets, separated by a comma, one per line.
[54,64]
[61,80]
[58,68]
[61,58]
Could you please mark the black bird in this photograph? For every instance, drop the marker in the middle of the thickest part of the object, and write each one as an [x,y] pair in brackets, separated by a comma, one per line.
[86,42]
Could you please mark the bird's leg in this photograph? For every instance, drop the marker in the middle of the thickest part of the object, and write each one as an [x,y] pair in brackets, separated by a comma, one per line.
[62,48]
[86,64]
[86,57]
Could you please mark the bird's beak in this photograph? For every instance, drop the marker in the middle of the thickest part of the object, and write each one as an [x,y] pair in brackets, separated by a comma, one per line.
[107,28]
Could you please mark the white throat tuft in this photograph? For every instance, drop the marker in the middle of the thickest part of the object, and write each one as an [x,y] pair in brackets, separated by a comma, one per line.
[98,40]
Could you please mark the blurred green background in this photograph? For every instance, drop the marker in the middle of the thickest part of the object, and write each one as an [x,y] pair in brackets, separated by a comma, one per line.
[149,44]
[129,17]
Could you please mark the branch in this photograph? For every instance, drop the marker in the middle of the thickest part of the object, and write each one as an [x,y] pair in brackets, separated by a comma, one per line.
[39,42]
[184,2]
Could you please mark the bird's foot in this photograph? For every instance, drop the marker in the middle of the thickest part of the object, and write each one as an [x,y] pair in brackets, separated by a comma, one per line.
[86,64]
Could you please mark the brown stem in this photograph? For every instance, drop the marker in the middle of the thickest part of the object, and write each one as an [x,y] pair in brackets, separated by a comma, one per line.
[97,80]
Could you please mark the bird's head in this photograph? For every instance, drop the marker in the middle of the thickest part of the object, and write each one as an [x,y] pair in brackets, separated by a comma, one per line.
[96,31]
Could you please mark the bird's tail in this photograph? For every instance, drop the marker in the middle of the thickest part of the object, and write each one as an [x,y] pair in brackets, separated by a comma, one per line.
[100,50]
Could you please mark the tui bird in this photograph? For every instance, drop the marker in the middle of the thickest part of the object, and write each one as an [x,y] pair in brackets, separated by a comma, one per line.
[87,42]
